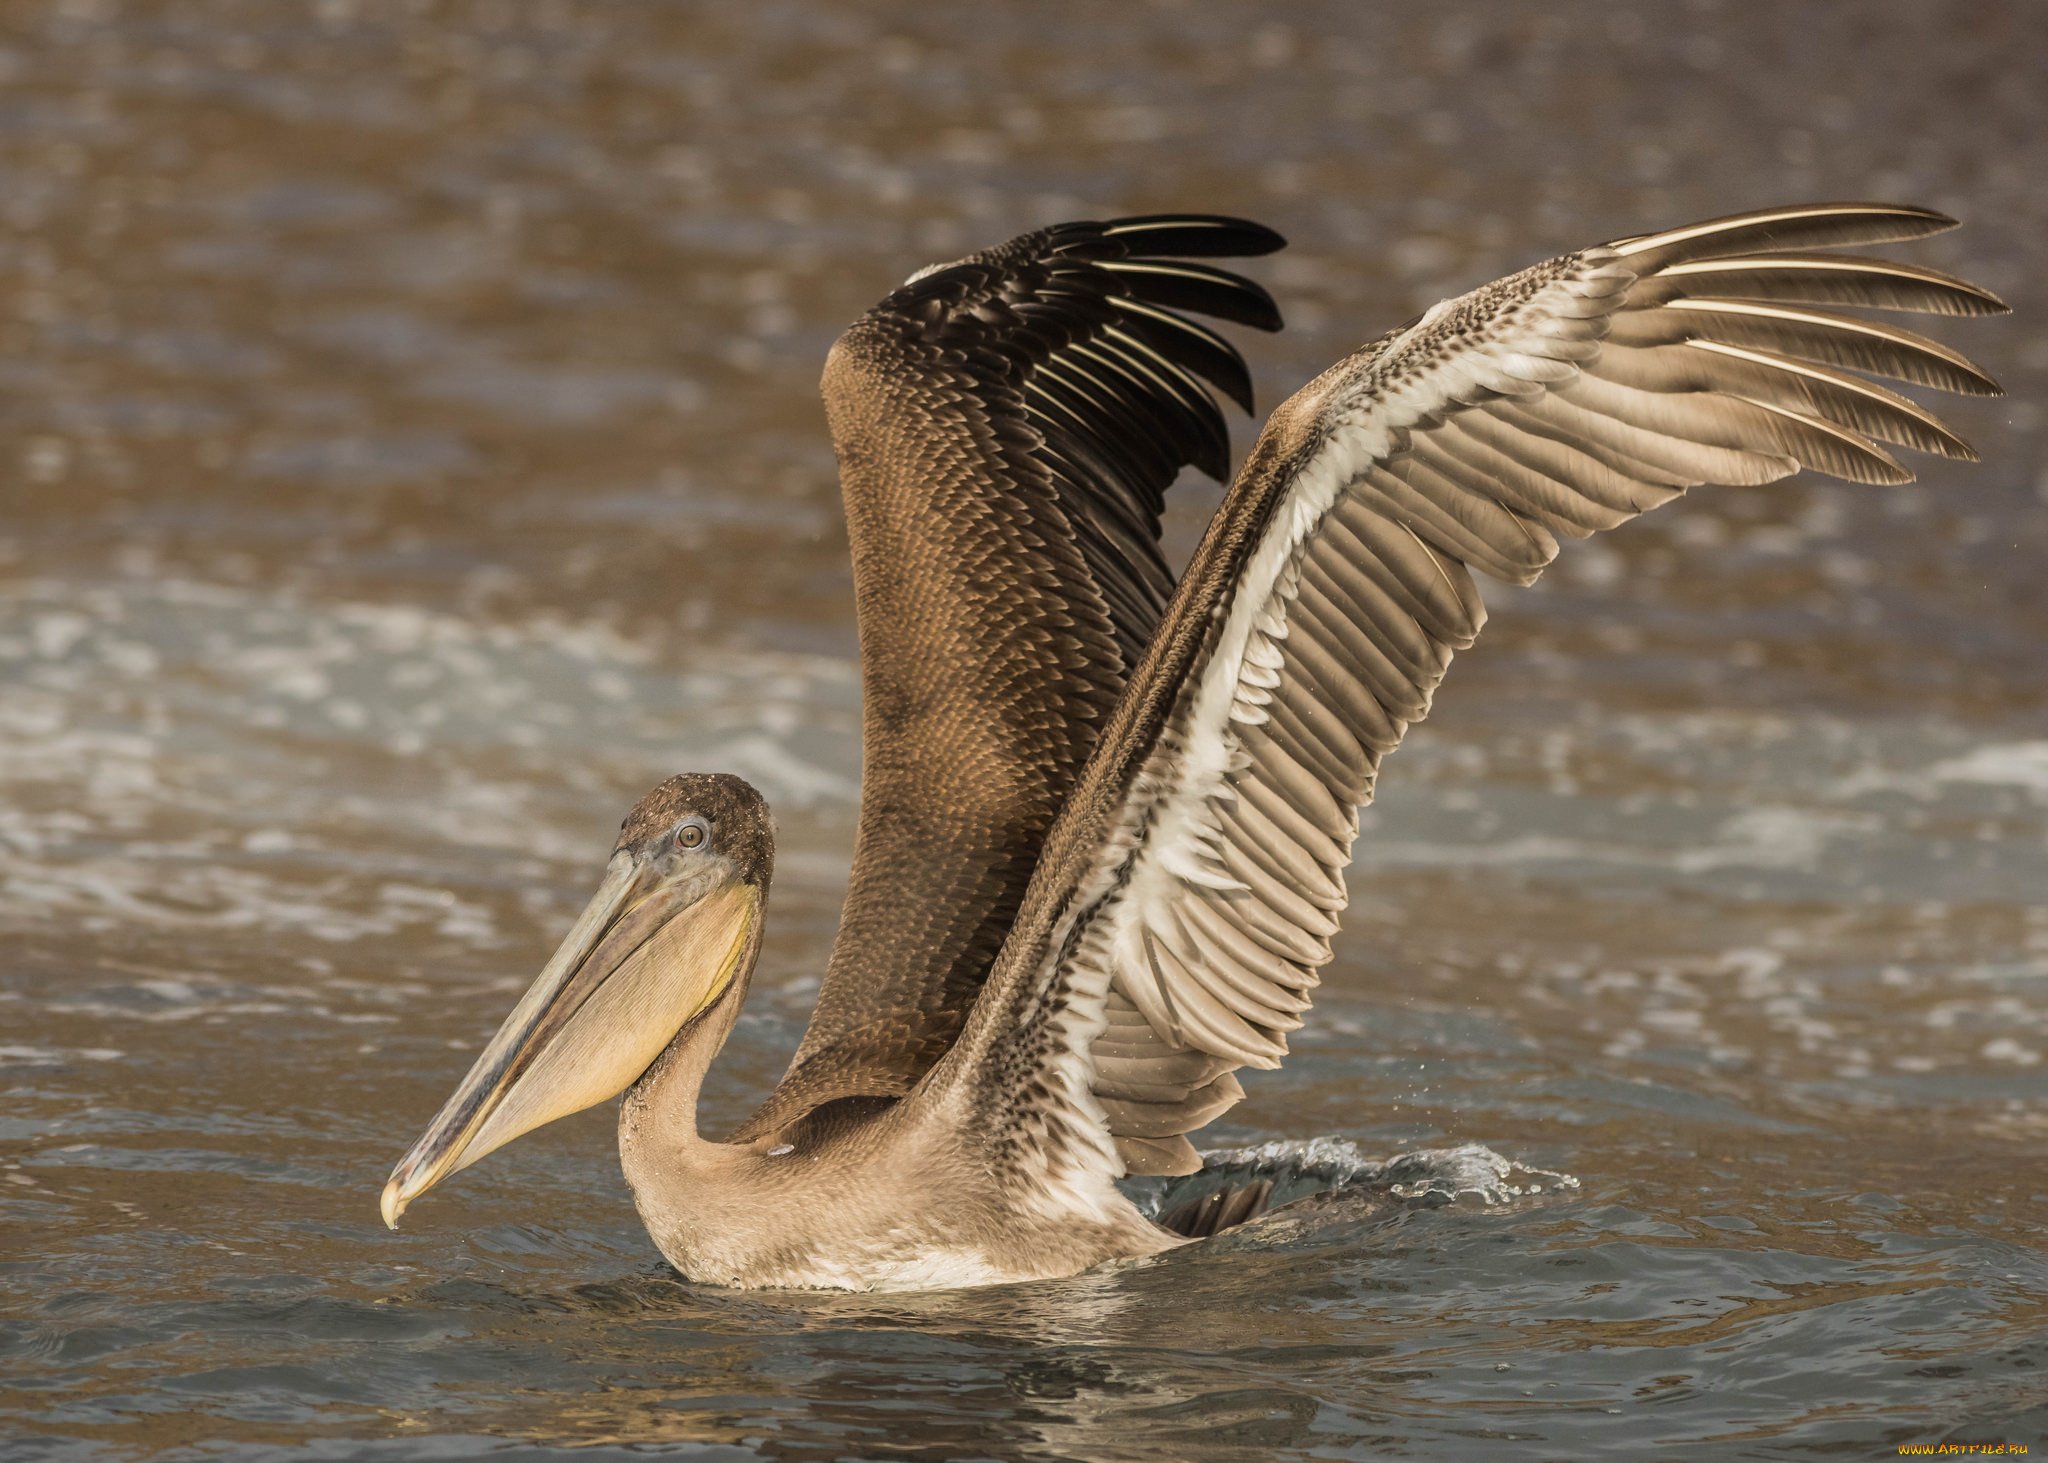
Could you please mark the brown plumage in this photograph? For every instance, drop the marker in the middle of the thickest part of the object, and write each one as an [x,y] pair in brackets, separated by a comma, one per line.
[1007,428]
[1105,818]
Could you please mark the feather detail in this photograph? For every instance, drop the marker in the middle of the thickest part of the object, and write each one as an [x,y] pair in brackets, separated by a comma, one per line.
[1194,880]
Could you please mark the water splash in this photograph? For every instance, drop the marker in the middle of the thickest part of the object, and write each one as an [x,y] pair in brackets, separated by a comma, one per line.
[1427,1178]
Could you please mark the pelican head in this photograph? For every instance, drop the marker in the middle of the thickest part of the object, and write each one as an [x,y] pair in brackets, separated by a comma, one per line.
[671,931]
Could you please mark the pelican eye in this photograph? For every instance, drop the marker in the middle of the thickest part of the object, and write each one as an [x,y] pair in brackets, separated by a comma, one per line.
[693,834]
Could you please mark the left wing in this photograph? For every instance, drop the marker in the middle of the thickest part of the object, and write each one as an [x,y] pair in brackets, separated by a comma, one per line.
[1190,889]
[1007,426]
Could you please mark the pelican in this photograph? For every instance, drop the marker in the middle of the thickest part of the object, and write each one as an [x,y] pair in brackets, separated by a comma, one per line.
[1105,815]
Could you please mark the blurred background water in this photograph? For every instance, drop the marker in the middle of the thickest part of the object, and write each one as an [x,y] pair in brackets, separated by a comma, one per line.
[411,452]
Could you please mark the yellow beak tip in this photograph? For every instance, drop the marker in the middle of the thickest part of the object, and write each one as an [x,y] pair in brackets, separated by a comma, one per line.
[391,1205]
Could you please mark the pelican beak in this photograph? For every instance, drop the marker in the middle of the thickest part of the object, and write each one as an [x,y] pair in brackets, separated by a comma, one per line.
[659,942]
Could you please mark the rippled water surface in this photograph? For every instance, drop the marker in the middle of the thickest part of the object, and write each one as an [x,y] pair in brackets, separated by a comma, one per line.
[411,453]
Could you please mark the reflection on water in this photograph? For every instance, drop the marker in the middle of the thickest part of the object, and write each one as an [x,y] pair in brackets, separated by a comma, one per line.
[412,454]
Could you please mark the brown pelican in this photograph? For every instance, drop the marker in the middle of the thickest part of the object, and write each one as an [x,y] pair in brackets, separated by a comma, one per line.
[1105,816]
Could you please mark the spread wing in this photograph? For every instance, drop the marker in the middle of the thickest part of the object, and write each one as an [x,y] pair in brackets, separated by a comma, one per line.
[1006,428]
[1188,894]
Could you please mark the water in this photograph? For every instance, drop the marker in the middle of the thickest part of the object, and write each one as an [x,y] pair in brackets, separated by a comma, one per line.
[412,453]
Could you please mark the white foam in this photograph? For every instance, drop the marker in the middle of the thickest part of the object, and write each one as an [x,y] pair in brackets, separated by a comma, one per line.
[46,1056]
[276,744]
[2006,764]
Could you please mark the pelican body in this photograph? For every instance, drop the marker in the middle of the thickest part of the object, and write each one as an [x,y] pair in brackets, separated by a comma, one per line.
[1106,813]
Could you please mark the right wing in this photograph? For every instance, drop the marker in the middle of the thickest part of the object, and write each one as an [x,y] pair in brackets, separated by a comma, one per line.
[1189,893]
[1006,428]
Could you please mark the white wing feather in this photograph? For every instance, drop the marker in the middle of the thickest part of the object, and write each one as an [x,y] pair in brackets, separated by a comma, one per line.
[1560,401]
